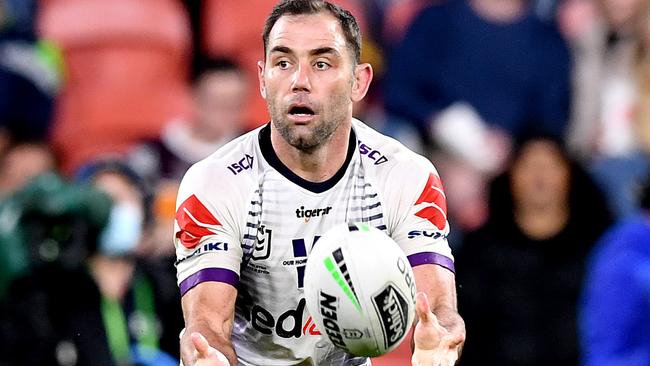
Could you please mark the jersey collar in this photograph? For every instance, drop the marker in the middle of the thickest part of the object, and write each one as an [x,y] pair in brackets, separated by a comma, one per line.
[316,187]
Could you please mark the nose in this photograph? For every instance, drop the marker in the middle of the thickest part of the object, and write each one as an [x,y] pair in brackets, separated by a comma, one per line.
[301,79]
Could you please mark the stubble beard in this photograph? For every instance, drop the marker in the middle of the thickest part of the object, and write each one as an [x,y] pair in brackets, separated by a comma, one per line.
[323,127]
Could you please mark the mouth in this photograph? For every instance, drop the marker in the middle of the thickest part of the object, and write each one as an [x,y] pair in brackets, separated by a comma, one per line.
[301,113]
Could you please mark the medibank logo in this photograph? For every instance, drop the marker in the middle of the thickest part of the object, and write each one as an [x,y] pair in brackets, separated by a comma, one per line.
[308,214]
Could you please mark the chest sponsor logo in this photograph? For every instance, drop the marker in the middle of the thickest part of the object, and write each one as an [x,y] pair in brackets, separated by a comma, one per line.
[307,214]
[286,325]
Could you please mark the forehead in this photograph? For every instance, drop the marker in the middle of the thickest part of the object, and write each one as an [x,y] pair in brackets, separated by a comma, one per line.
[537,150]
[307,32]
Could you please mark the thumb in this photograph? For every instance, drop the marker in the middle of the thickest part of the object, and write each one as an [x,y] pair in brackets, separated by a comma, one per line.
[203,349]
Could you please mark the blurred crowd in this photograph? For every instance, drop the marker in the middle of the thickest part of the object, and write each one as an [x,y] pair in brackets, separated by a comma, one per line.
[535,112]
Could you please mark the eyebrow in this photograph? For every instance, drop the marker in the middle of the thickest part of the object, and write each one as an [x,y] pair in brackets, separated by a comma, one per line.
[314,52]
[323,50]
[280,49]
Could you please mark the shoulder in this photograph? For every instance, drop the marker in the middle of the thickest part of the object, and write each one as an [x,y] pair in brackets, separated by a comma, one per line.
[400,173]
[386,155]
[229,170]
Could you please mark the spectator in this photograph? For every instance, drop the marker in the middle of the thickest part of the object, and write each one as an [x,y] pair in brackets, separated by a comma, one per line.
[29,76]
[606,42]
[219,116]
[473,75]
[110,308]
[642,70]
[494,56]
[51,314]
[21,163]
[521,273]
[615,308]
[127,284]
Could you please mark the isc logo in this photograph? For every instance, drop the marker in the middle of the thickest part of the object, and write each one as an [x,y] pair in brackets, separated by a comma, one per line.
[375,155]
[245,163]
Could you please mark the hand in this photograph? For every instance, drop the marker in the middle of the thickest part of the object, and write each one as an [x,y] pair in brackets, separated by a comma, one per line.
[204,354]
[435,345]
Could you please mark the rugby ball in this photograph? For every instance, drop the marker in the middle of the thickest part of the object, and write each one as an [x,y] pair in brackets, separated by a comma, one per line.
[360,289]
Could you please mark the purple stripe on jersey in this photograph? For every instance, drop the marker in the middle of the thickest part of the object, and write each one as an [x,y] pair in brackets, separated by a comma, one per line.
[209,274]
[431,258]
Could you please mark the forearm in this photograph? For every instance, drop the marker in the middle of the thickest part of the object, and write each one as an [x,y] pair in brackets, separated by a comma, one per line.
[439,285]
[209,309]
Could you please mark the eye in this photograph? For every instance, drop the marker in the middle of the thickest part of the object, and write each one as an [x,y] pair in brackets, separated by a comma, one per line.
[283,64]
[322,65]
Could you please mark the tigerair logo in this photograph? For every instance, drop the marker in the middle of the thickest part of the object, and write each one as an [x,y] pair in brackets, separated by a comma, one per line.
[307,214]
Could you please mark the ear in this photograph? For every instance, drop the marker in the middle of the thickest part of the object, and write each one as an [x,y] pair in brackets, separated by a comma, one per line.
[362,78]
[260,76]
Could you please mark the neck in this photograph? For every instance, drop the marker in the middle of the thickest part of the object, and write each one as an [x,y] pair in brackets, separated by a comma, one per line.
[499,11]
[542,223]
[201,133]
[320,164]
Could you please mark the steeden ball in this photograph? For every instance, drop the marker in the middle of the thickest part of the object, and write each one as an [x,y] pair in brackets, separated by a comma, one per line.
[360,289]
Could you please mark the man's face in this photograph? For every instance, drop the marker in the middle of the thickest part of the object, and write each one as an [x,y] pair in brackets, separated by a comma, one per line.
[621,13]
[220,98]
[307,79]
[540,176]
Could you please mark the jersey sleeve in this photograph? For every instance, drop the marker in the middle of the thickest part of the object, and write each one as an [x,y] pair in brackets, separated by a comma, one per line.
[206,231]
[417,213]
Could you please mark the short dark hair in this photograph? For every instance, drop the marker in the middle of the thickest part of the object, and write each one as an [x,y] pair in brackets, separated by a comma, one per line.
[207,65]
[300,7]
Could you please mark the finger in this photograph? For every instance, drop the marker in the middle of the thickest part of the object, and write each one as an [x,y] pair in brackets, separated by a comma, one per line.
[422,307]
[201,345]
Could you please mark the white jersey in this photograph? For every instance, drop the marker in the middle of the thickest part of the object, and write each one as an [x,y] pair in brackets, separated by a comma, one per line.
[245,219]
